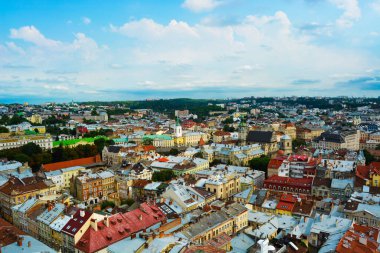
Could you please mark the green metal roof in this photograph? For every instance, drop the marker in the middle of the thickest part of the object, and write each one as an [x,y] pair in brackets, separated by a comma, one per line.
[158,136]
[75,141]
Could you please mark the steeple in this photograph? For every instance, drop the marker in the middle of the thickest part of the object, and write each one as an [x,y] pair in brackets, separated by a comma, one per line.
[178,129]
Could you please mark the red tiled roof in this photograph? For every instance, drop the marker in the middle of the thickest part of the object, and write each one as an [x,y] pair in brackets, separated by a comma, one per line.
[149,148]
[204,248]
[74,224]
[121,225]
[275,163]
[71,163]
[285,206]
[351,240]
[371,232]
[286,197]
[9,233]
[221,133]
[16,186]
[288,180]
[163,159]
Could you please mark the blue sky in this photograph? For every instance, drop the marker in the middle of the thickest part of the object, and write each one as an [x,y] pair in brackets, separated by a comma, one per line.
[112,50]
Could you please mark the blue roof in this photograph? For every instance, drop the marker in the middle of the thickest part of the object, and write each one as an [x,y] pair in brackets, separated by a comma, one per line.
[35,246]
[244,194]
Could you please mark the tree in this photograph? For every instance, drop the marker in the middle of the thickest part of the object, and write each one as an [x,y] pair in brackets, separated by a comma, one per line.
[128,202]
[100,143]
[198,155]
[107,203]
[22,158]
[368,157]
[163,175]
[378,147]
[4,129]
[260,163]
[31,149]
[297,143]
[174,151]
[36,130]
[147,142]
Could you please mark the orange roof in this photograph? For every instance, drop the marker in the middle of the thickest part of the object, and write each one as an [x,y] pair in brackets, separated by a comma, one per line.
[286,206]
[163,159]
[355,242]
[149,148]
[371,232]
[71,163]
[274,163]
[286,197]
[201,142]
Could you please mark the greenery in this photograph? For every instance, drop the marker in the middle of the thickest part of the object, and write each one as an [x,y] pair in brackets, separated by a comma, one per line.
[3,129]
[228,121]
[228,128]
[147,142]
[163,175]
[14,120]
[101,131]
[107,203]
[260,163]
[368,157]
[36,156]
[174,151]
[128,202]
[297,143]
[198,155]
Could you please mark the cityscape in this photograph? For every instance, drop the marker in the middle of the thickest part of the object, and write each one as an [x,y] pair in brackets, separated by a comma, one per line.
[190,126]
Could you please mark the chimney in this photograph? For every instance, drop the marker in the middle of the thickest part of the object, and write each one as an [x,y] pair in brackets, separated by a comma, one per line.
[29,244]
[107,221]
[81,213]
[363,239]
[94,224]
[19,241]
[140,217]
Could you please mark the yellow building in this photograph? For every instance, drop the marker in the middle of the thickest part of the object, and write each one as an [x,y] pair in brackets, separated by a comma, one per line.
[69,173]
[38,129]
[224,186]
[35,119]
[229,220]
[17,191]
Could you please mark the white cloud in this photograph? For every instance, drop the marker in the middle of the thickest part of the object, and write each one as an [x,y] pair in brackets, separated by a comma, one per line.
[33,35]
[15,48]
[245,54]
[376,6]
[86,20]
[351,12]
[201,5]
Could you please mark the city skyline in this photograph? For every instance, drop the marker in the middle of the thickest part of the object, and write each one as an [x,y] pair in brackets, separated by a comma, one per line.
[92,50]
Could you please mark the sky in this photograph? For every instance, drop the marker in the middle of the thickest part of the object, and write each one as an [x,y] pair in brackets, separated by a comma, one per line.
[87,50]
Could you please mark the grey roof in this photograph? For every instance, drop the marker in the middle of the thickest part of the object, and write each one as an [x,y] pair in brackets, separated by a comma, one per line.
[35,246]
[260,136]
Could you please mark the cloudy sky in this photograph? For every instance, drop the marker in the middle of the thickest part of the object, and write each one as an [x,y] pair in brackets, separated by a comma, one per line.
[117,50]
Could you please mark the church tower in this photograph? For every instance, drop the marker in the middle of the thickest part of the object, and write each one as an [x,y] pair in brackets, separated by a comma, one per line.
[286,144]
[178,129]
[243,131]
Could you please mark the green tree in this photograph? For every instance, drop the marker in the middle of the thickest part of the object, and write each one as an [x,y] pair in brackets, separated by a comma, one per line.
[4,129]
[107,203]
[198,155]
[31,149]
[163,175]
[173,151]
[22,158]
[368,157]
[147,142]
[100,143]
[128,202]
[260,163]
